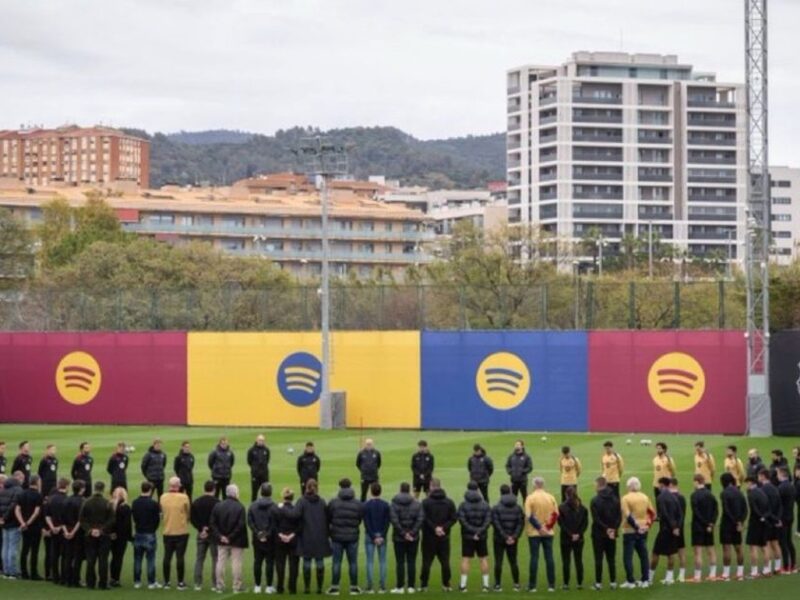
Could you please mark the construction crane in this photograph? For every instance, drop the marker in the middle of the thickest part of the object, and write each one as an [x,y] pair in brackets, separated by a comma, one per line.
[757,230]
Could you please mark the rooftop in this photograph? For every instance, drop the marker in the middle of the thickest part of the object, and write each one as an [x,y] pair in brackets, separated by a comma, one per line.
[64,131]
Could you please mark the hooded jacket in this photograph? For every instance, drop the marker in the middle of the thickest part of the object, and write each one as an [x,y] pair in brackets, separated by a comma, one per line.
[474,515]
[312,515]
[344,515]
[97,513]
[606,513]
[258,461]
[705,510]
[480,468]
[220,462]
[153,464]
[734,507]
[229,519]
[669,511]
[572,520]
[438,511]
[368,463]
[262,519]
[406,516]
[519,465]
[508,518]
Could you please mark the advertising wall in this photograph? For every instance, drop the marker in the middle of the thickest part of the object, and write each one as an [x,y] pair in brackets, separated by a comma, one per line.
[120,378]
[784,382]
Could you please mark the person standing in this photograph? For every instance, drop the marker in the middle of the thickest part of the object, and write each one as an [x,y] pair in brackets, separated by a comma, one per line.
[175,512]
[345,513]
[754,463]
[48,470]
[97,521]
[422,464]
[82,467]
[612,467]
[368,463]
[705,511]
[146,514]
[73,535]
[734,515]
[519,466]
[704,463]
[154,465]
[673,488]
[774,526]
[637,517]
[262,519]
[508,521]
[23,463]
[54,521]
[541,514]
[308,465]
[480,468]
[117,467]
[229,528]
[757,527]
[9,497]
[314,544]
[570,468]
[28,513]
[258,461]
[663,466]
[573,520]
[440,515]
[606,521]
[733,465]
[788,497]
[377,517]
[121,534]
[3,459]
[778,461]
[183,466]
[200,515]
[220,463]
[406,516]
[474,516]
[287,529]
[669,518]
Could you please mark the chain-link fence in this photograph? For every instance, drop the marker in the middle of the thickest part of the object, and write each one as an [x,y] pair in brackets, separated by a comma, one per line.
[578,304]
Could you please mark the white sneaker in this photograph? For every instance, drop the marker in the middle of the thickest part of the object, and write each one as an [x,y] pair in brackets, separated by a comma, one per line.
[257,589]
[627,586]
[137,585]
[397,591]
[411,591]
[198,588]
[645,584]
[269,590]
[154,586]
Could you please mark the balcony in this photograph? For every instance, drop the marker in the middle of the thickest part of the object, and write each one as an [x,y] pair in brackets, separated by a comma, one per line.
[711,235]
[648,138]
[711,160]
[652,215]
[548,99]
[596,137]
[513,144]
[588,213]
[514,89]
[548,195]
[713,178]
[587,99]
[694,121]
[709,103]
[548,139]
[695,197]
[548,175]
[704,141]
[597,195]
[337,256]
[514,106]
[583,154]
[596,118]
[547,119]
[711,217]
[598,176]
[654,176]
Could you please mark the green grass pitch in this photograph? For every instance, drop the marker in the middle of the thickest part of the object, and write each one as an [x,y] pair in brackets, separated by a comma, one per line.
[338,449]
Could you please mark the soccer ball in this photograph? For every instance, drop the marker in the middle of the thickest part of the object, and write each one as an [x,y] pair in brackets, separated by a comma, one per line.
[290,450]
[544,438]
[629,441]
[131,448]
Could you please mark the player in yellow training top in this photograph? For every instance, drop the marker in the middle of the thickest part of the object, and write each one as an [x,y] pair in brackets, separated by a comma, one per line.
[734,465]
[613,466]
[704,463]
[570,468]
[663,466]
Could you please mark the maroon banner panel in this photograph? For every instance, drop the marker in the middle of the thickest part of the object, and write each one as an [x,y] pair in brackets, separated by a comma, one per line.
[667,381]
[96,378]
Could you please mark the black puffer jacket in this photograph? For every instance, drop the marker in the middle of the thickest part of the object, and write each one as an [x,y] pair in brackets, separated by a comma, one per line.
[9,496]
[220,462]
[519,465]
[345,513]
[262,518]
[312,514]
[229,519]
[368,463]
[474,515]
[406,516]
[480,468]
[508,518]
[153,464]
[438,511]
[258,461]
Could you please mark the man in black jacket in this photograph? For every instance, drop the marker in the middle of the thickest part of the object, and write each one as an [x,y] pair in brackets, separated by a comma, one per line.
[705,511]
[82,468]
[788,498]
[258,461]
[368,463]
[760,518]
[480,467]
[154,464]
[183,466]
[117,467]
[345,513]
[475,516]
[606,520]
[53,522]
[73,535]
[734,515]
[220,463]
[669,517]
[519,466]
[774,528]
[229,528]
[508,520]
[422,464]
[48,470]
[778,461]
[23,463]
[262,519]
[200,516]
[97,520]
[440,516]
[308,465]
[28,514]
[405,514]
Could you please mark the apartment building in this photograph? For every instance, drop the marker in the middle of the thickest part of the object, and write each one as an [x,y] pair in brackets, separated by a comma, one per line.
[281,226]
[618,143]
[74,156]
[448,208]
[785,209]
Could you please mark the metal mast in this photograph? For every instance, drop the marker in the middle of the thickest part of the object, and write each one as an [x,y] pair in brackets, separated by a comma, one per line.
[325,161]
[757,232]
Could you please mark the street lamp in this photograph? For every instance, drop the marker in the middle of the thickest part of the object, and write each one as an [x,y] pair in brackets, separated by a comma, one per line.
[325,161]
[650,248]
[600,243]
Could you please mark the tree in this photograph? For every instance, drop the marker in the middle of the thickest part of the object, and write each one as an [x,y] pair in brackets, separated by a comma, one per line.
[16,249]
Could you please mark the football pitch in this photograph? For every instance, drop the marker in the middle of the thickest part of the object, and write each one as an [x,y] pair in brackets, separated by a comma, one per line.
[337,450]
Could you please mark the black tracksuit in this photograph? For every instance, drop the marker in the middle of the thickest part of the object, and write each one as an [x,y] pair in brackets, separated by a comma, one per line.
[73,548]
[117,468]
[183,465]
[23,463]
[705,511]
[54,510]
[573,520]
[258,461]
[760,517]
[122,534]
[82,470]
[422,464]
[287,523]
[439,511]
[368,463]
[518,466]
[508,520]
[606,515]
[308,466]
[28,502]
[787,494]
[97,514]
[670,516]
[48,474]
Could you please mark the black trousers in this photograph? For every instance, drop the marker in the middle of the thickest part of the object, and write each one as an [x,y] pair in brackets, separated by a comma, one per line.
[73,557]
[788,550]
[509,550]
[118,548]
[521,488]
[158,486]
[175,545]
[56,558]
[437,547]
[568,550]
[115,483]
[264,555]
[96,549]
[484,488]
[220,489]
[188,488]
[365,488]
[405,553]
[255,486]
[604,548]
[287,553]
[48,556]
[29,555]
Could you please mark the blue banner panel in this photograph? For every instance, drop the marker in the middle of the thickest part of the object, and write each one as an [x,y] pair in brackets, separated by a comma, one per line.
[505,380]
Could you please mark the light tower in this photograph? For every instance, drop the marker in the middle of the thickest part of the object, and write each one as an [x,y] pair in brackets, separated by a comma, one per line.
[757,232]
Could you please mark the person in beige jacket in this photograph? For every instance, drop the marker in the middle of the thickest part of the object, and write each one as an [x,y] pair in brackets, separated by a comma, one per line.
[175,511]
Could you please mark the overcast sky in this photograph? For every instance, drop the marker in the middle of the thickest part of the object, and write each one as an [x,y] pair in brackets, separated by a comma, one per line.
[434,68]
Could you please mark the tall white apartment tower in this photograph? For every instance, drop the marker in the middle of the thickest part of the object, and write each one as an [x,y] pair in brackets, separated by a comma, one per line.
[624,142]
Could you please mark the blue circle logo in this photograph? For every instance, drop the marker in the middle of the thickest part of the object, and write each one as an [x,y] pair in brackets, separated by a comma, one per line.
[300,379]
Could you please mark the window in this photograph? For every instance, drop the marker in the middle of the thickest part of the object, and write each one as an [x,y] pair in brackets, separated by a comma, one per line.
[233,221]
[782,234]
[367,226]
[781,183]
[782,218]
[781,200]
[161,218]
[233,245]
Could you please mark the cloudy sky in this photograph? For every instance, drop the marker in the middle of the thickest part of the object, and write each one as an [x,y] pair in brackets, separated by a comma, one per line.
[434,68]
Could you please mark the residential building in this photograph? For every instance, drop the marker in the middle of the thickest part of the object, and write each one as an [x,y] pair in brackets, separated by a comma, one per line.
[447,208]
[617,143]
[74,156]
[785,209]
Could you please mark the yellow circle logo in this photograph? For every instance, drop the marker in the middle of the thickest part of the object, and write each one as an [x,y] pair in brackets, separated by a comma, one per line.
[503,380]
[78,378]
[676,382]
